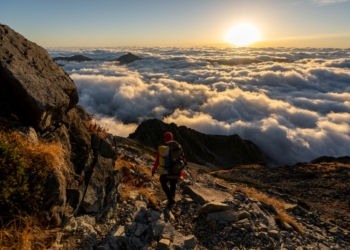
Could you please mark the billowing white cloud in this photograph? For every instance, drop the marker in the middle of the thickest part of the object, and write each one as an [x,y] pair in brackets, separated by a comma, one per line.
[294,111]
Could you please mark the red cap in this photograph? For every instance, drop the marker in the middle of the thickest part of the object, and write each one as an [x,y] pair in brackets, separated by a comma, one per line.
[168,136]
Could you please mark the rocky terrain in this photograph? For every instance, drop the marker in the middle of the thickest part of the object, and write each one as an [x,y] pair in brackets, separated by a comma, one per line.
[218,150]
[99,203]
[208,214]
[321,186]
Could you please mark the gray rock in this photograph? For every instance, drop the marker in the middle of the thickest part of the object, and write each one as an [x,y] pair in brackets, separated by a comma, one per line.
[223,215]
[203,195]
[157,227]
[136,243]
[184,242]
[334,230]
[243,215]
[106,150]
[155,215]
[323,247]
[190,242]
[168,232]
[213,207]
[39,89]
[79,136]
[97,188]
[263,236]
[119,235]
[141,228]
[163,244]
[274,233]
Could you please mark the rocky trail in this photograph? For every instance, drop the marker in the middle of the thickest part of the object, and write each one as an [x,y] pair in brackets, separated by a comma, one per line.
[207,215]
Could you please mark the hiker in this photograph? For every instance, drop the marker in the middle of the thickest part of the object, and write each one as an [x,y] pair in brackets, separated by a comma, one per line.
[172,171]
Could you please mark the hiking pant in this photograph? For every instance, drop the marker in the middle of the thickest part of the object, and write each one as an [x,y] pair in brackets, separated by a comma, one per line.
[170,192]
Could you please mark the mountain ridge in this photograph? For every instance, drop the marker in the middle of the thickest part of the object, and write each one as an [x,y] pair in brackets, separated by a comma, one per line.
[219,150]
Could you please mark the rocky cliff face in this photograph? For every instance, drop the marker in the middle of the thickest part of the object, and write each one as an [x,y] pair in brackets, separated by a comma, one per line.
[222,151]
[37,95]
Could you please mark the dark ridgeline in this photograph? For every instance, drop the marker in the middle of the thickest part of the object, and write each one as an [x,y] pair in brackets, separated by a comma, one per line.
[76,58]
[219,150]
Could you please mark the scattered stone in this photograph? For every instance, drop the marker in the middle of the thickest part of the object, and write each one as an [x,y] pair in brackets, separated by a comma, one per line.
[274,233]
[213,207]
[163,244]
[204,195]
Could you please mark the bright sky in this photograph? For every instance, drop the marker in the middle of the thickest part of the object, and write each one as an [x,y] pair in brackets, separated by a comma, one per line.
[90,23]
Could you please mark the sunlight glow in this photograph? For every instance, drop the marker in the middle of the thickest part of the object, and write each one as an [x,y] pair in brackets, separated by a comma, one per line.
[242,35]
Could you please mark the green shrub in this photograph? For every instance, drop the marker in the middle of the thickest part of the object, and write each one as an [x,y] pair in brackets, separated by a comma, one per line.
[24,167]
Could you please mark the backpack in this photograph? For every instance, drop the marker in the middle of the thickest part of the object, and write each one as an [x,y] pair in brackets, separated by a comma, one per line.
[173,161]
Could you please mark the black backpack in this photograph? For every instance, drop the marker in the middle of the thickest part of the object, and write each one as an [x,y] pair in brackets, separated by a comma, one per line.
[174,161]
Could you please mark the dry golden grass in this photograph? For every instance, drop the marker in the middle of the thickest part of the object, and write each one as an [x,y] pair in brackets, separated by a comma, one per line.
[29,228]
[96,129]
[284,217]
[26,233]
[132,182]
[49,156]
[148,193]
[279,205]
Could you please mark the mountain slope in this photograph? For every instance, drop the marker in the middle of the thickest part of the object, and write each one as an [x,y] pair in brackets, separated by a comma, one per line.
[220,150]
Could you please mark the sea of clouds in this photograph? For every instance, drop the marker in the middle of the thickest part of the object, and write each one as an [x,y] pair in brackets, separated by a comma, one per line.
[294,111]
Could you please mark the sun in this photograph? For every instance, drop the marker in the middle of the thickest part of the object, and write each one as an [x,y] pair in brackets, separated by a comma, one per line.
[242,35]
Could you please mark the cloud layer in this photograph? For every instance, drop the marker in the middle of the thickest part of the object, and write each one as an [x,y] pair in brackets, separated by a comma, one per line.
[294,111]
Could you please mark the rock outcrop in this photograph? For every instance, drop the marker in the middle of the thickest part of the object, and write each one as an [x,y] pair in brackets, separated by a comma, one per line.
[128,58]
[75,58]
[220,150]
[38,91]
[37,96]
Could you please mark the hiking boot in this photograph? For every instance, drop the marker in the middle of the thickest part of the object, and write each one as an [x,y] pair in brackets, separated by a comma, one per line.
[170,203]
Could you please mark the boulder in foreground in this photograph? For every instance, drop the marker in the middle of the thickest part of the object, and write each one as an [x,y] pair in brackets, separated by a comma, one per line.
[39,84]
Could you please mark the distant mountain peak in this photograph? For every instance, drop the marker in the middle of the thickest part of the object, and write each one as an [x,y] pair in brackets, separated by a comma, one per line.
[75,58]
[128,58]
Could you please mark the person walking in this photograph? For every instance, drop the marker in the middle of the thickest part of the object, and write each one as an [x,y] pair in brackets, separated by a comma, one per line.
[171,172]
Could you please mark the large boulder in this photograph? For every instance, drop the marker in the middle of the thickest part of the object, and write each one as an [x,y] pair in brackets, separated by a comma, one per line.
[38,90]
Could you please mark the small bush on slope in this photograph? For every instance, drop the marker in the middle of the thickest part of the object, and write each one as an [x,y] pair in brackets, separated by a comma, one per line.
[24,167]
